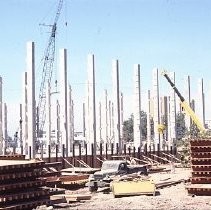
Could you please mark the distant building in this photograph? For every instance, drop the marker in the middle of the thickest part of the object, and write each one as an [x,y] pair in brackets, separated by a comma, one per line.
[79,138]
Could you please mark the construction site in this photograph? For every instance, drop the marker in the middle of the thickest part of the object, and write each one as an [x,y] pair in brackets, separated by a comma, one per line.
[161,159]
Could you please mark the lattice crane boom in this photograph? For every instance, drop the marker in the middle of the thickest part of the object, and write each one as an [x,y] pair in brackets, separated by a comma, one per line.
[47,72]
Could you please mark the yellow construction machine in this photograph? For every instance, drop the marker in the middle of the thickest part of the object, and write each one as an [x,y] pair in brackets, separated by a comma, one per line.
[185,105]
[133,186]
[161,128]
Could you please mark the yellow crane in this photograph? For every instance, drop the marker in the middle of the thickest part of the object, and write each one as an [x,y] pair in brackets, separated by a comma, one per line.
[188,110]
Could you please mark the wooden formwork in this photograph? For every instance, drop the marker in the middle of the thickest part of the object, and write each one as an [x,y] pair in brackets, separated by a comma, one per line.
[21,186]
[201,167]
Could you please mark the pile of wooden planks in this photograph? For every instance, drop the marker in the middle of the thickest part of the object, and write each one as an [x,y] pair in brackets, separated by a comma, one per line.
[201,167]
[54,176]
[12,157]
[21,186]
[51,173]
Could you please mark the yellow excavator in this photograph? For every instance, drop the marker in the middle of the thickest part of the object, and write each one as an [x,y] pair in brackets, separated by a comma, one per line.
[188,110]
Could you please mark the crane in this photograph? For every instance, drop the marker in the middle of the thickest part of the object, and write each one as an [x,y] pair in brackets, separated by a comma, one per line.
[47,73]
[185,105]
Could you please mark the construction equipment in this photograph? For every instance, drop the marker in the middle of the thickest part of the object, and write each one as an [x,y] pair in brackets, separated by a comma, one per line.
[47,73]
[161,128]
[134,186]
[185,105]
[109,170]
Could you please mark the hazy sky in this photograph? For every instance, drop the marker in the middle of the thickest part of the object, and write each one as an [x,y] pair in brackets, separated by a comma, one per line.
[170,34]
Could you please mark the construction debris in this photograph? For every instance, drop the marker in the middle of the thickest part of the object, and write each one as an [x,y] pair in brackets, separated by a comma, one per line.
[168,183]
[86,170]
[73,197]
[46,184]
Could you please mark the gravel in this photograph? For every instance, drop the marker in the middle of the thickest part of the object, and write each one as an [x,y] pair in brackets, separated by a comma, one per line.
[172,197]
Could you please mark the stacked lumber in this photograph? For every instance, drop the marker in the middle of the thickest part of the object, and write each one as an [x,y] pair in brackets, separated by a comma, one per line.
[54,177]
[74,197]
[12,157]
[74,179]
[201,167]
[21,186]
[51,173]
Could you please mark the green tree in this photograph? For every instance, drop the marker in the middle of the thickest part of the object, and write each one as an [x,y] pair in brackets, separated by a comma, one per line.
[181,129]
[128,130]
[128,127]
[194,131]
[144,124]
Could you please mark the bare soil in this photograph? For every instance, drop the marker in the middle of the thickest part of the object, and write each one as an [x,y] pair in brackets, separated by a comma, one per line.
[172,197]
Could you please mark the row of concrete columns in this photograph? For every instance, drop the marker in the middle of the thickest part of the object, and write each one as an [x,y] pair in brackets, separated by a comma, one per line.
[104,125]
[64,106]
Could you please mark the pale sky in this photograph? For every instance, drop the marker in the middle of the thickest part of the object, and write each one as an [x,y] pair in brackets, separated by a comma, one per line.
[170,34]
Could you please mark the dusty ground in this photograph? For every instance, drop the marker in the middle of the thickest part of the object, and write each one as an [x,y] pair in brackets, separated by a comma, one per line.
[173,197]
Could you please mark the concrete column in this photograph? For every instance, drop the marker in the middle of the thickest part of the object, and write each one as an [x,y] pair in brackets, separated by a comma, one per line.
[172,110]
[70,119]
[63,99]
[30,63]
[21,128]
[72,123]
[116,101]
[188,100]
[87,117]
[84,120]
[25,114]
[200,108]
[105,118]
[149,137]
[99,124]
[91,105]
[169,123]
[137,107]
[164,119]
[58,131]
[110,123]
[121,115]
[5,134]
[48,115]
[156,108]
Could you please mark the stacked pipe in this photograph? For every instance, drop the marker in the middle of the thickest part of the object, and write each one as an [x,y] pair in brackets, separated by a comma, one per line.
[21,186]
[201,167]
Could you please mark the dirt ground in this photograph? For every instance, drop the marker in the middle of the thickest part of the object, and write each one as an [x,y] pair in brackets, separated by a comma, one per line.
[172,197]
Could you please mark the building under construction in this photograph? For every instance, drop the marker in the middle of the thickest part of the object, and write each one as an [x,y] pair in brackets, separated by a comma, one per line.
[48,152]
